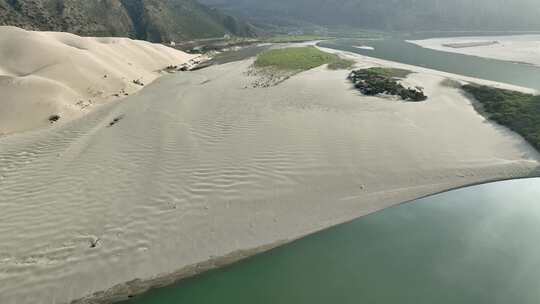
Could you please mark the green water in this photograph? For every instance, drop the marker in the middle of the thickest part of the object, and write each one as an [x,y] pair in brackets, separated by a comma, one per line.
[397,49]
[474,245]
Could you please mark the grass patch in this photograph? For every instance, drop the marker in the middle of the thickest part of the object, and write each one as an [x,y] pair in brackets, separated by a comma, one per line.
[518,111]
[299,59]
[341,64]
[388,72]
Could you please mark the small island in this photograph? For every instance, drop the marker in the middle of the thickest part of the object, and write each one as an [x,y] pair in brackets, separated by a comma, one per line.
[274,66]
[301,59]
[384,81]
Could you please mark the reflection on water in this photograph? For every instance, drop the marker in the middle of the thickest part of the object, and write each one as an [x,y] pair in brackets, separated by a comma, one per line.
[473,245]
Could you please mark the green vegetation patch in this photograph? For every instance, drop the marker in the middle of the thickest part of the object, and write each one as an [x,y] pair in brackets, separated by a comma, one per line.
[341,64]
[519,112]
[388,72]
[299,59]
[383,81]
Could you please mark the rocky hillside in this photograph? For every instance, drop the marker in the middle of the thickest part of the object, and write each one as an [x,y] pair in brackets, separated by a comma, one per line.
[153,20]
[393,14]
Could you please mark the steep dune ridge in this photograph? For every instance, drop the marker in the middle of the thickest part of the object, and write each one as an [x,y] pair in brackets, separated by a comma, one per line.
[51,73]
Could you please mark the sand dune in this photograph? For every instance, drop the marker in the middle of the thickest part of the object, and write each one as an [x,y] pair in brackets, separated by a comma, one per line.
[198,167]
[517,48]
[46,73]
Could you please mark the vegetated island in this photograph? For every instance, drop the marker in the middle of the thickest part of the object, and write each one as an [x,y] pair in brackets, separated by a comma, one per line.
[300,59]
[384,81]
[518,111]
[277,65]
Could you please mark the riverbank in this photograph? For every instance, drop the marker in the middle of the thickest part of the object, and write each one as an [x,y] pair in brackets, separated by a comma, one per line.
[517,48]
[393,250]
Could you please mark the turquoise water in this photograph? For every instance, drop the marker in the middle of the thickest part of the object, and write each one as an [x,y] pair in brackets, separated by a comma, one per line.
[397,49]
[474,245]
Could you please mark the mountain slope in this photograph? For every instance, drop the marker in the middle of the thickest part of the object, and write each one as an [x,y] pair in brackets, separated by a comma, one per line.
[395,14]
[163,20]
[153,20]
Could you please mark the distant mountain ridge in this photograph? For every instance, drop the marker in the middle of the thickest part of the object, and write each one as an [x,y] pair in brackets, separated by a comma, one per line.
[481,15]
[152,20]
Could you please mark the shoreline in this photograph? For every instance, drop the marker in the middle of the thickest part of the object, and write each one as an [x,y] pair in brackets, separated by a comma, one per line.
[137,287]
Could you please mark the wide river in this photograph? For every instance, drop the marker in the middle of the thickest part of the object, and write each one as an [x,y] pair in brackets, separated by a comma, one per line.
[397,49]
[472,245]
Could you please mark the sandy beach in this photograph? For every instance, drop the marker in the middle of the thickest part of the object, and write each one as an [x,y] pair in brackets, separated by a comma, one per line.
[516,48]
[50,73]
[201,167]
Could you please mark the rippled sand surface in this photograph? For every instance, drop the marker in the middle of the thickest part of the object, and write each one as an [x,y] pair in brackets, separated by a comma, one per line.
[198,166]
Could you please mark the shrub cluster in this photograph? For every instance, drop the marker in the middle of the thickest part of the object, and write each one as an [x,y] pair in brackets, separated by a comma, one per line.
[378,81]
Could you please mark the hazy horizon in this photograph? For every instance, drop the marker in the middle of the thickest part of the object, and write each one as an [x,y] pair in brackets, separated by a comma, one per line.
[393,14]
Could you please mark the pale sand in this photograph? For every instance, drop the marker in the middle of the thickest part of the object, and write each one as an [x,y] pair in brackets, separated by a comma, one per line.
[518,48]
[46,73]
[200,168]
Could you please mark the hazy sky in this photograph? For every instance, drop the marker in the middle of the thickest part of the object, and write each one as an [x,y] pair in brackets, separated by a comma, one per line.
[398,14]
